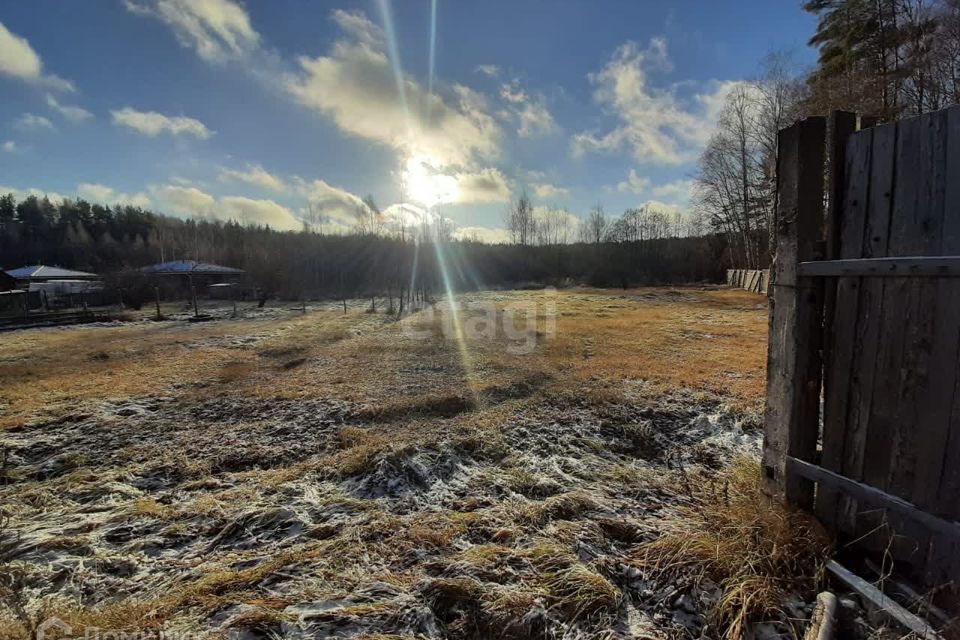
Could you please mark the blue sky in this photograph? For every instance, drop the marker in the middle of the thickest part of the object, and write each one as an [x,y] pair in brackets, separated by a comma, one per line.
[272,111]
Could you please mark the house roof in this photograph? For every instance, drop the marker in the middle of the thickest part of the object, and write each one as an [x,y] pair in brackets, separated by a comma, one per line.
[190,267]
[40,271]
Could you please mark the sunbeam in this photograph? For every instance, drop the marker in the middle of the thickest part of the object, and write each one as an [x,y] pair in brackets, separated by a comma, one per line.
[459,335]
[387,16]
[433,56]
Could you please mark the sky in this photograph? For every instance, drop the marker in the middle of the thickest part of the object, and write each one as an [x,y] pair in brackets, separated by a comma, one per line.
[273,112]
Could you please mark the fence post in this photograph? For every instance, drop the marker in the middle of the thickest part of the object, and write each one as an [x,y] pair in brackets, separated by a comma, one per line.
[792,415]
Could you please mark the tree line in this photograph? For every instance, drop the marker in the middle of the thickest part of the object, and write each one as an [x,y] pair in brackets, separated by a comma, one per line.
[888,59]
[369,260]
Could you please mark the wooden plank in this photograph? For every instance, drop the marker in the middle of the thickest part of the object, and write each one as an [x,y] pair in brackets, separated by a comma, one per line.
[938,476]
[911,622]
[791,417]
[874,497]
[883,422]
[936,396]
[886,422]
[934,266]
[874,228]
[920,235]
[842,334]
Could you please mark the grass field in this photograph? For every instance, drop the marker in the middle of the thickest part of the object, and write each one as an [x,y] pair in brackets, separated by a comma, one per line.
[325,473]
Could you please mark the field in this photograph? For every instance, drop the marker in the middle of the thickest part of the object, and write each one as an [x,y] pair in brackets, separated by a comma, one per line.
[346,474]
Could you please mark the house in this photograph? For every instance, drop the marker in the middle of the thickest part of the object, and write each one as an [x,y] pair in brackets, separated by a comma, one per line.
[50,287]
[44,273]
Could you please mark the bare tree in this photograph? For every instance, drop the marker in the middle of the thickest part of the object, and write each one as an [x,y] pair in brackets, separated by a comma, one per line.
[368,219]
[594,228]
[520,220]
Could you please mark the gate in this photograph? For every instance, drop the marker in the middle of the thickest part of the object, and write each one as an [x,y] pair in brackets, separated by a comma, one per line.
[865,316]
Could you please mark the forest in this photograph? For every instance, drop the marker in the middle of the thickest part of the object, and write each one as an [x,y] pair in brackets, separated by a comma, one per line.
[886,58]
[292,264]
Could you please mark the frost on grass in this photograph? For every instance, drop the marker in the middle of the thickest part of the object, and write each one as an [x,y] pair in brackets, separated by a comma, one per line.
[327,474]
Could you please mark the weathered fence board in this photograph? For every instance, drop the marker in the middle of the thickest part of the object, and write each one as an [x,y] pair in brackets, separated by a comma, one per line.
[749,279]
[796,309]
[842,333]
[889,330]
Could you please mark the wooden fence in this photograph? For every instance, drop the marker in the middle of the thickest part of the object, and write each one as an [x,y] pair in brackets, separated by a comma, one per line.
[865,314]
[749,279]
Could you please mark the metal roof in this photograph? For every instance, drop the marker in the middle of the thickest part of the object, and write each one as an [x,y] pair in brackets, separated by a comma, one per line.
[189,267]
[43,271]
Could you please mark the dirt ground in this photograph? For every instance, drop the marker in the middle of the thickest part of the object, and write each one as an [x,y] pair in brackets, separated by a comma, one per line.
[345,474]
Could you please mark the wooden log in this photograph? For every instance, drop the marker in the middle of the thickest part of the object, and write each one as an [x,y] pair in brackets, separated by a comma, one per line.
[824,619]
[791,417]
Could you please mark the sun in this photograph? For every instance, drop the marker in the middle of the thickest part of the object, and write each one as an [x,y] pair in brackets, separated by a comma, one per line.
[425,185]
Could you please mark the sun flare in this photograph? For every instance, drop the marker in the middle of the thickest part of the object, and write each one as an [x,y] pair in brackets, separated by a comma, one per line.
[425,185]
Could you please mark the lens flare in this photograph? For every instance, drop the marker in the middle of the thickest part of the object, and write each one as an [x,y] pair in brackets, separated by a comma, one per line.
[433,55]
[425,185]
[466,360]
[387,16]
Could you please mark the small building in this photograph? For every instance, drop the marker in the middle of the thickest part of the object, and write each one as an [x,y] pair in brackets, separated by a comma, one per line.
[44,273]
[55,287]
[192,268]
[184,277]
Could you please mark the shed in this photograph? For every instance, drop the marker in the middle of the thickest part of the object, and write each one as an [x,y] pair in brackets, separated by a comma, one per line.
[187,277]
[44,273]
[191,268]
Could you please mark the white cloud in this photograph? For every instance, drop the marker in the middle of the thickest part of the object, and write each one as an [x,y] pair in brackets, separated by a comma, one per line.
[254,175]
[634,183]
[678,191]
[102,194]
[546,191]
[482,234]
[328,203]
[192,202]
[653,123]
[184,201]
[19,60]
[530,112]
[486,185]
[354,85]
[262,212]
[151,123]
[217,30]
[33,122]
[669,209]
[71,113]
[9,146]
[357,26]
[21,194]
[489,70]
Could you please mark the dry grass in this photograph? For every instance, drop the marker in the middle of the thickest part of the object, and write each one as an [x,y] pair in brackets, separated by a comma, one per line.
[711,339]
[755,548]
[523,474]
